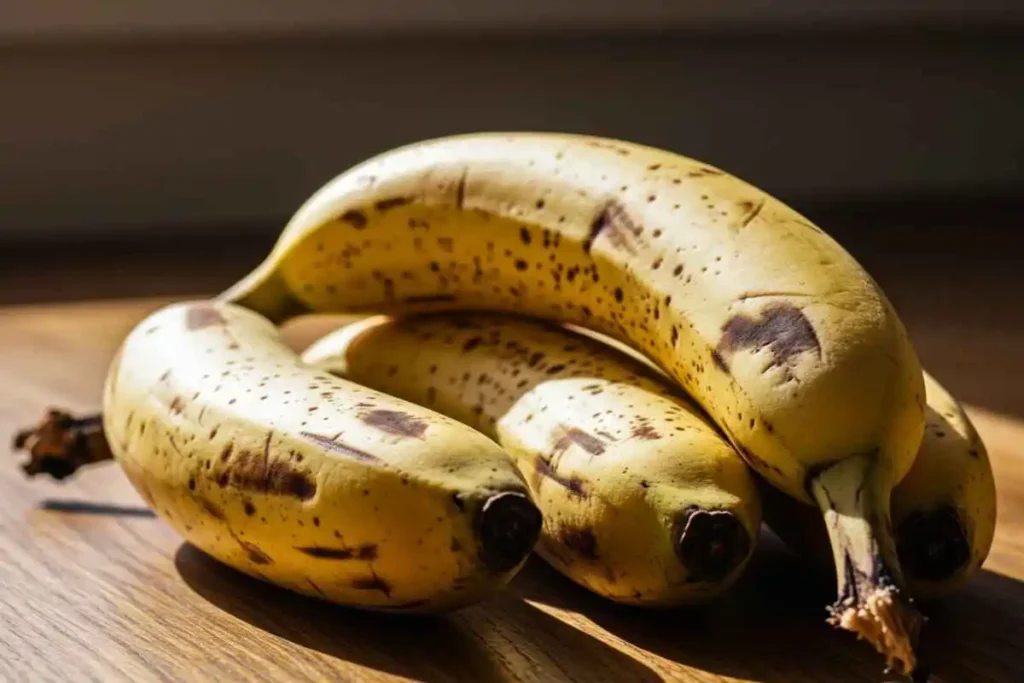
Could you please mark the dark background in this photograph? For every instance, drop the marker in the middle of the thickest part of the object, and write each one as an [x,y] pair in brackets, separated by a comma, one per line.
[158,149]
[188,115]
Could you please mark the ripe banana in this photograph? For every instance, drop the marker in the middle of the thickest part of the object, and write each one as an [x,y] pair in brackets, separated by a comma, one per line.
[305,480]
[644,502]
[773,328]
[943,512]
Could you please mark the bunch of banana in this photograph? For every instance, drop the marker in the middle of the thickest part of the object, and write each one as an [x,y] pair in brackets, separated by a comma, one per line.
[795,359]
[772,327]
[509,378]
[644,502]
[295,476]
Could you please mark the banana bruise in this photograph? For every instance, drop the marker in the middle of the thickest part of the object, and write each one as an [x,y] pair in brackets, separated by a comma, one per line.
[943,512]
[644,502]
[775,330]
[305,480]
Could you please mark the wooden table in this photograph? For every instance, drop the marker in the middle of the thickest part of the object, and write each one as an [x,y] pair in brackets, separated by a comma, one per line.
[96,588]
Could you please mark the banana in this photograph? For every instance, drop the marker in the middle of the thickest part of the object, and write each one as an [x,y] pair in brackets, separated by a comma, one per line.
[943,512]
[644,502]
[305,480]
[775,330]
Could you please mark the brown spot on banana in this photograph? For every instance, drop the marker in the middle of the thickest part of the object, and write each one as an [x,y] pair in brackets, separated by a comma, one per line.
[255,553]
[334,445]
[751,210]
[395,422]
[719,361]
[363,552]
[256,472]
[574,485]
[355,218]
[580,541]
[645,432]
[391,203]
[201,316]
[567,436]
[704,171]
[615,224]
[278,478]
[372,583]
[460,189]
[212,508]
[781,328]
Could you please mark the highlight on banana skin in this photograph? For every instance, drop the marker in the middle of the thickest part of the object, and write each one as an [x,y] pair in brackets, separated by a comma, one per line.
[615,356]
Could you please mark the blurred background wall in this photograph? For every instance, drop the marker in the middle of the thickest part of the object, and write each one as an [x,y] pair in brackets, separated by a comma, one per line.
[158,118]
[157,148]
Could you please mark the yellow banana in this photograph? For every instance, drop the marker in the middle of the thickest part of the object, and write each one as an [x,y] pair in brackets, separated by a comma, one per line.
[773,328]
[305,480]
[644,502]
[943,512]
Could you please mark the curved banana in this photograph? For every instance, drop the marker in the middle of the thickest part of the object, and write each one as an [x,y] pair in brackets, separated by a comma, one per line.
[305,480]
[773,328]
[644,502]
[943,512]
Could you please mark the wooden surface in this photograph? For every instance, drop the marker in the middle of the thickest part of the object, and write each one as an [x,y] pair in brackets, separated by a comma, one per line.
[93,587]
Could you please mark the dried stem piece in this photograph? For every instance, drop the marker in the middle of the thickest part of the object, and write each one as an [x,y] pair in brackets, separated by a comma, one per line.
[60,444]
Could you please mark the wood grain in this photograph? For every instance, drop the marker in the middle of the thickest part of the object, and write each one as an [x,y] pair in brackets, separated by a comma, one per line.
[96,588]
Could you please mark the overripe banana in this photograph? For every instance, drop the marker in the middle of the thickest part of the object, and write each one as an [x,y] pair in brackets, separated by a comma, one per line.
[305,480]
[943,512]
[777,332]
[644,502]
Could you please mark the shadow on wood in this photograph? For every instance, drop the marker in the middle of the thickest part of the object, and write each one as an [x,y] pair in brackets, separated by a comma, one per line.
[482,643]
[81,507]
[761,630]
[771,626]
[975,635]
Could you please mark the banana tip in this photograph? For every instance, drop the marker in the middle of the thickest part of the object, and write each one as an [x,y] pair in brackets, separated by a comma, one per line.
[712,543]
[933,545]
[509,527]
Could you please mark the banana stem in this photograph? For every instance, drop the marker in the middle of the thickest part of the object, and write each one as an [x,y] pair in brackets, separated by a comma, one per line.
[267,293]
[61,444]
[871,603]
